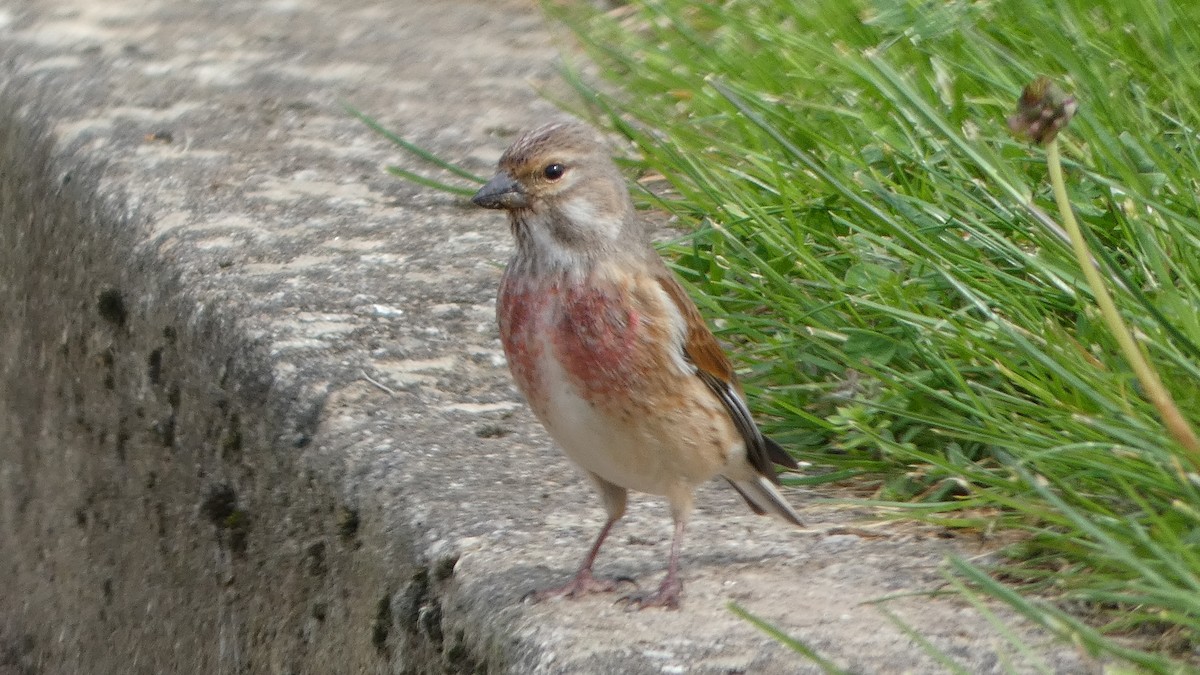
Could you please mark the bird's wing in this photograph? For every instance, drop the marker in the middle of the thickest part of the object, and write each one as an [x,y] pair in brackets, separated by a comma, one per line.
[713,368]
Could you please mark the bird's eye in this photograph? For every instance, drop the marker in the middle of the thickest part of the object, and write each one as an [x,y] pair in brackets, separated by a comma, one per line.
[554,171]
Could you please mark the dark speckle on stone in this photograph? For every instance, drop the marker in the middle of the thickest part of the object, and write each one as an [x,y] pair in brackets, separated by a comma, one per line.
[317,566]
[219,503]
[430,619]
[154,366]
[491,431]
[238,526]
[166,431]
[111,306]
[445,568]
[348,524]
[414,598]
[231,443]
[382,625]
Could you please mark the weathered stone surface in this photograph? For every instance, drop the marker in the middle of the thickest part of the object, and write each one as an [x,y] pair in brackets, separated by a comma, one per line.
[253,412]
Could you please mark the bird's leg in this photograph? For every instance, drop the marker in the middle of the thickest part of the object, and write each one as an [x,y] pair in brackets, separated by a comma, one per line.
[583,582]
[671,589]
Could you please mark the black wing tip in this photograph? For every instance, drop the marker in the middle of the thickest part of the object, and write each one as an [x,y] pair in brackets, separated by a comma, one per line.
[758,510]
[780,456]
[781,508]
[761,451]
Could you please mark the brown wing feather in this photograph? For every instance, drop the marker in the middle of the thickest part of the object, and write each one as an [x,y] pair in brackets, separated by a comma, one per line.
[714,368]
[701,347]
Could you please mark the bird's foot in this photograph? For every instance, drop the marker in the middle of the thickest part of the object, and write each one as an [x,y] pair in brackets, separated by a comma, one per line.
[667,596]
[583,583]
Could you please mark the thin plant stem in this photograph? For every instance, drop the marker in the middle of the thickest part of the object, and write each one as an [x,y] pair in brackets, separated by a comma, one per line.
[1146,374]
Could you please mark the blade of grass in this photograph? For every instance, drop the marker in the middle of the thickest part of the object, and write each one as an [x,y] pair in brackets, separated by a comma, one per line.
[417,178]
[790,642]
[928,647]
[1062,623]
[411,147]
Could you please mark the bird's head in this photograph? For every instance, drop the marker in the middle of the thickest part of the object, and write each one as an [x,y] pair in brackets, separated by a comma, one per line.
[564,195]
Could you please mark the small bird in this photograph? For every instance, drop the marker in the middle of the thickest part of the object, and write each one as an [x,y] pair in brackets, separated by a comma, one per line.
[611,353]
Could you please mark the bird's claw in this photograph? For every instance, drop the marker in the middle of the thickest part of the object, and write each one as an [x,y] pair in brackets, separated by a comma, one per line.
[667,596]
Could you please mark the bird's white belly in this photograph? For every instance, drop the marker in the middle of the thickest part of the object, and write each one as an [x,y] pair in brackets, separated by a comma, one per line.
[621,451]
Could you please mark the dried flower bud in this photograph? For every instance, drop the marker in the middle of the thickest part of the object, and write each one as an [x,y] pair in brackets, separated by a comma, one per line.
[1042,111]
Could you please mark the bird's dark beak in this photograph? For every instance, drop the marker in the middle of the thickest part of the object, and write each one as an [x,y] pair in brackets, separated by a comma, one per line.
[501,192]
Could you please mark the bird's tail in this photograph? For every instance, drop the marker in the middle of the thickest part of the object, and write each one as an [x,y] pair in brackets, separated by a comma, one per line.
[763,498]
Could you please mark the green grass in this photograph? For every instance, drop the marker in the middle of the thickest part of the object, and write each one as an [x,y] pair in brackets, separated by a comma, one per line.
[888,262]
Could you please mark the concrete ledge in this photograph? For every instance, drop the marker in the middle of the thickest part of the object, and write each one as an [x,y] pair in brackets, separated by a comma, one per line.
[254,417]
